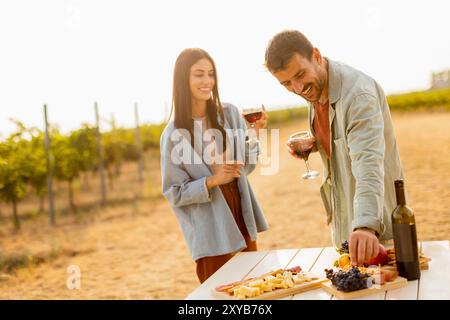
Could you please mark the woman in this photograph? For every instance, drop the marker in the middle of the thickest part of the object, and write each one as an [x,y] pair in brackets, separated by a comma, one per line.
[213,201]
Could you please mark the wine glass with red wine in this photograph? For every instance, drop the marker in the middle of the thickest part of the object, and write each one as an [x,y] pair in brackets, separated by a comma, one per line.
[302,143]
[252,115]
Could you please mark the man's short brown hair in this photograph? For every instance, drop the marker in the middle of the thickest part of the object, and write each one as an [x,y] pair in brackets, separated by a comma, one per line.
[282,48]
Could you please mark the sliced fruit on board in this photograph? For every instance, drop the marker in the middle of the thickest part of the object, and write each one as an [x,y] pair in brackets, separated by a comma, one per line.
[381,259]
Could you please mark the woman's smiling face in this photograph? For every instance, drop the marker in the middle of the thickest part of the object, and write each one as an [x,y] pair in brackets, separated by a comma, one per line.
[202,80]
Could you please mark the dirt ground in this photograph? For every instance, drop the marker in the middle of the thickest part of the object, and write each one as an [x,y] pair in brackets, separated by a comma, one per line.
[138,251]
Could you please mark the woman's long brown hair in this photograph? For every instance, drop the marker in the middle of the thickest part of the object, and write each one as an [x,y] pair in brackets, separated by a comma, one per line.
[181,94]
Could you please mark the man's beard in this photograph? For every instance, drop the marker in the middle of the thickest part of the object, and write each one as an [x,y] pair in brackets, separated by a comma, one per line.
[317,88]
[319,85]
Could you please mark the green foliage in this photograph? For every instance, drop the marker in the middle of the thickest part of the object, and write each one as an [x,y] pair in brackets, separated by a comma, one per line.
[13,175]
[119,146]
[68,161]
[16,164]
[425,100]
[23,159]
[286,115]
[18,167]
[84,141]
[37,175]
[150,135]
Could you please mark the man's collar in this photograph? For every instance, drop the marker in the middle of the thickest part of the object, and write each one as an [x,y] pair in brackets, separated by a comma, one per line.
[334,81]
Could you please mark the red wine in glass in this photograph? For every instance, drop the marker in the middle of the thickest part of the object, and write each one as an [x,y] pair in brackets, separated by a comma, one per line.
[302,143]
[252,117]
[304,154]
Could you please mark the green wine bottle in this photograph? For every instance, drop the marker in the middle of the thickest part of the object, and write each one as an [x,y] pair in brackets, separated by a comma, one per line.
[405,236]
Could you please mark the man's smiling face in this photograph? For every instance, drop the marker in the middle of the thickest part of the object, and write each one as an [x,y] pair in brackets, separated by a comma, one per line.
[303,76]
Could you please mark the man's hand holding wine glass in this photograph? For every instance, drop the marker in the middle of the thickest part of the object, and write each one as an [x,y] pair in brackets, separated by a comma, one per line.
[300,145]
[295,155]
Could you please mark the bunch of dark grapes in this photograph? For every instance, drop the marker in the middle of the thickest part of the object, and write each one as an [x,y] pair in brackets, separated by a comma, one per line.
[348,281]
[343,248]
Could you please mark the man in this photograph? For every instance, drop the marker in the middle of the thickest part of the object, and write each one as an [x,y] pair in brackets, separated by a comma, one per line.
[350,119]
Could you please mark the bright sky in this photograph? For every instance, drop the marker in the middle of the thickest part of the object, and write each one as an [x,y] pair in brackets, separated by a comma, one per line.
[70,53]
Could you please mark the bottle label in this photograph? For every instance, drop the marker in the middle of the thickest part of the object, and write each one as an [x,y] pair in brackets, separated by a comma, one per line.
[405,242]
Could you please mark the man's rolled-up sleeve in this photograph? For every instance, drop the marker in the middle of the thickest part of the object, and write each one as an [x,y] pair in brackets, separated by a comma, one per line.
[365,137]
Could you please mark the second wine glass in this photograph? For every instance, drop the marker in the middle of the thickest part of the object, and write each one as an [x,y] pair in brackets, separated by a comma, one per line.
[302,143]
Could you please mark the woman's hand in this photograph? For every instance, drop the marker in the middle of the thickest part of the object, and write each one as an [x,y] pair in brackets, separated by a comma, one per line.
[226,173]
[262,123]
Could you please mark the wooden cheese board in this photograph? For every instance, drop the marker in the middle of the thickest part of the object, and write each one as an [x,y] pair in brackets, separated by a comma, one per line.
[399,282]
[275,284]
[276,294]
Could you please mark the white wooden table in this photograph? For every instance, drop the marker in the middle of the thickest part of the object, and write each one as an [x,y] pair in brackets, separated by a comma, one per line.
[433,284]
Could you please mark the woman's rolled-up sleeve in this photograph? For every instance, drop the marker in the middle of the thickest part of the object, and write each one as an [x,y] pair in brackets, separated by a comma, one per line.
[177,186]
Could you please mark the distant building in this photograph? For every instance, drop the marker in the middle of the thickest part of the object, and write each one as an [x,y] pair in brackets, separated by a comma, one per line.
[440,79]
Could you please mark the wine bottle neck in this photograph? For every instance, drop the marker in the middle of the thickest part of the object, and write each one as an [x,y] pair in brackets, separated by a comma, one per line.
[401,199]
[400,193]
